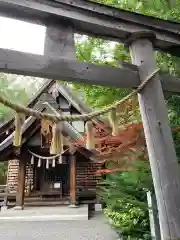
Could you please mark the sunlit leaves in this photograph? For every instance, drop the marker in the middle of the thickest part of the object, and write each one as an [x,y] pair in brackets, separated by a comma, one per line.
[18,89]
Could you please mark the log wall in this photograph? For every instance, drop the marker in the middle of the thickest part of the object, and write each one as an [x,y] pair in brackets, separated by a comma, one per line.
[86,180]
[12,176]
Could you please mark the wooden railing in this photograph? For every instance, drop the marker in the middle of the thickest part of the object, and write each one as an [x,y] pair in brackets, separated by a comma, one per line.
[5,195]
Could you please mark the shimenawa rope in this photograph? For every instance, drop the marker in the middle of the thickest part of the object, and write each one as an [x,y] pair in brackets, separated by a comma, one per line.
[84,117]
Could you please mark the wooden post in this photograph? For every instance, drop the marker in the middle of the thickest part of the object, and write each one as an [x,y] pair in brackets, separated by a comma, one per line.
[162,156]
[6,196]
[59,41]
[21,183]
[153,217]
[6,190]
[73,180]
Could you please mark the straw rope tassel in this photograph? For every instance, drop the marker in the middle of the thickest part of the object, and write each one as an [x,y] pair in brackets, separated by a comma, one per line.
[57,139]
[113,122]
[90,141]
[19,121]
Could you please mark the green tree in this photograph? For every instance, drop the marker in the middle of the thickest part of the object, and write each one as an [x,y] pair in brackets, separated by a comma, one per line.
[18,89]
[125,196]
[16,94]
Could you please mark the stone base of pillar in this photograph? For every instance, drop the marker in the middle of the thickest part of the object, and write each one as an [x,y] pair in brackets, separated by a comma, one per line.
[73,206]
[98,207]
[18,208]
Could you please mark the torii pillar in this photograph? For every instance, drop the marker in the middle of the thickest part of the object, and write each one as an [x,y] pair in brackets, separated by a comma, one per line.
[21,182]
[162,155]
[59,43]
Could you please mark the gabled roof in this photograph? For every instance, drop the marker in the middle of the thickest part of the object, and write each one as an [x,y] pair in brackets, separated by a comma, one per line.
[79,104]
[4,127]
[52,87]
[68,130]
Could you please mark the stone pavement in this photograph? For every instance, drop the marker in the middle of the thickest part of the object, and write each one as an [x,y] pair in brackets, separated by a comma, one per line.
[96,228]
[44,214]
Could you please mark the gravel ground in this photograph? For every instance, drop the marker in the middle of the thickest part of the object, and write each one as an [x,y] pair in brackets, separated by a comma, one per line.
[94,229]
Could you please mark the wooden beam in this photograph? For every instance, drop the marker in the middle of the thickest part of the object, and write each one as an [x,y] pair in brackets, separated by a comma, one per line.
[21,182]
[162,155]
[59,41]
[170,83]
[75,71]
[65,69]
[95,19]
[121,14]
[73,180]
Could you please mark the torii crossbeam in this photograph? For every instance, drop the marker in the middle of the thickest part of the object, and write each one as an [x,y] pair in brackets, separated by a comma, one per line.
[144,34]
[95,19]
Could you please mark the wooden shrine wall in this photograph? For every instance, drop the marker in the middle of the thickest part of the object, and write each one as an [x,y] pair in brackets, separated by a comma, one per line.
[12,176]
[86,180]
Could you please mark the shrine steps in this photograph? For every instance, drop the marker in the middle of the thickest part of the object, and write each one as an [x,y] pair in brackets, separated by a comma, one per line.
[38,201]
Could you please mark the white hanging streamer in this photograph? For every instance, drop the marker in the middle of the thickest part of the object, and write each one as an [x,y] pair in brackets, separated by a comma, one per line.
[32,160]
[60,159]
[54,162]
[51,159]
[44,158]
[39,162]
[47,163]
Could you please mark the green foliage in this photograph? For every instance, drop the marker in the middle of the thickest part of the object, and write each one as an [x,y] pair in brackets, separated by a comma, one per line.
[125,196]
[18,89]
[3,172]
[174,119]
[131,223]
[98,51]
[15,93]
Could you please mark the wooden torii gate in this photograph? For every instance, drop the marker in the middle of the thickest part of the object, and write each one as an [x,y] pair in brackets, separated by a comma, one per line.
[143,35]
